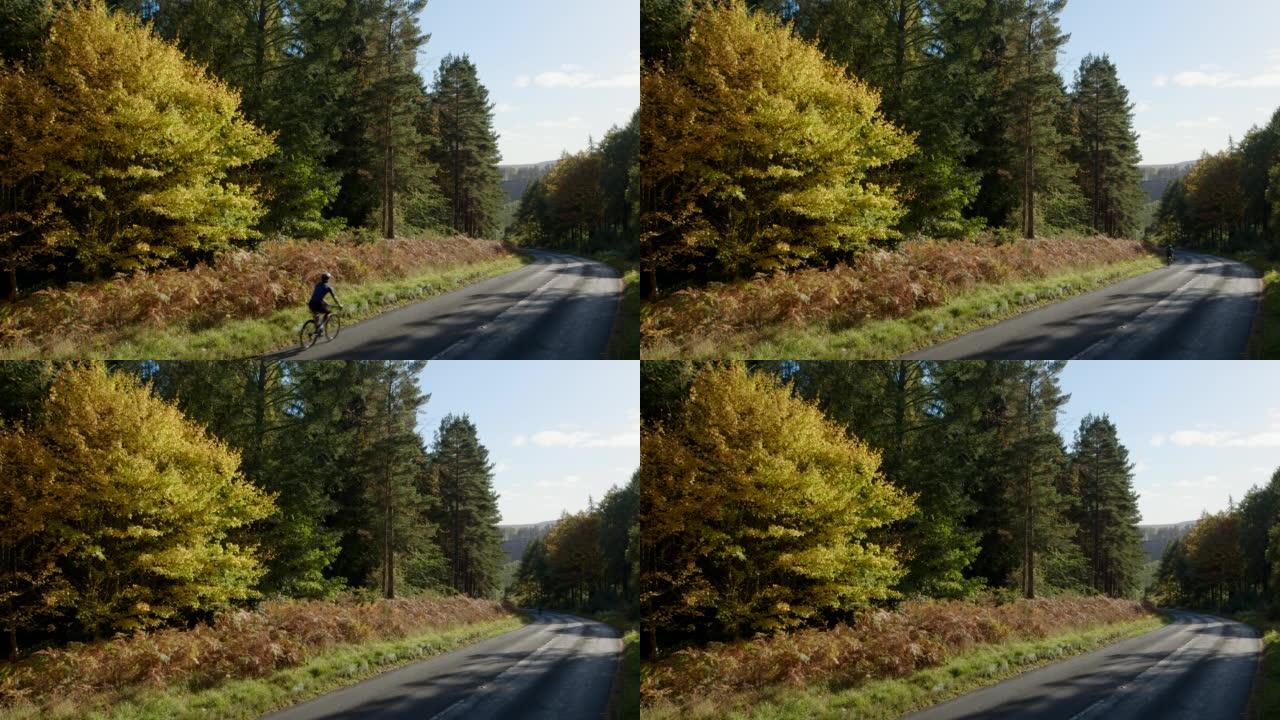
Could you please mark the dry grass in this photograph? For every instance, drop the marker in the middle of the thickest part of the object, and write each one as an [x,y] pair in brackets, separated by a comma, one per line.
[240,644]
[881,284]
[880,644]
[241,284]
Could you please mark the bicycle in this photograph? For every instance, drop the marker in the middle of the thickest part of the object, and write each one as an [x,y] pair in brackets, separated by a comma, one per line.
[312,330]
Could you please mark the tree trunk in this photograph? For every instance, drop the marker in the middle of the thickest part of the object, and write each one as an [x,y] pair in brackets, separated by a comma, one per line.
[388,181]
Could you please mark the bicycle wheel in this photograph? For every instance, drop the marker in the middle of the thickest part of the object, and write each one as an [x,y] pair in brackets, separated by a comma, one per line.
[307,335]
[332,327]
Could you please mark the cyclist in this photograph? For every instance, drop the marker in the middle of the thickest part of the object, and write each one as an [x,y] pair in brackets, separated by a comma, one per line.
[317,304]
[1168,253]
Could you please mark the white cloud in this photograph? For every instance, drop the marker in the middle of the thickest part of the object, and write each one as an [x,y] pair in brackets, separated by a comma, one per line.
[1161,80]
[567,123]
[500,467]
[1222,438]
[522,81]
[625,80]
[503,108]
[561,79]
[566,481]
[1140,467]
[1211,121]
[1210,75]
[519,440]
[1198,78]
[573,76]
[1157,440]
[1142,107]
[582,438]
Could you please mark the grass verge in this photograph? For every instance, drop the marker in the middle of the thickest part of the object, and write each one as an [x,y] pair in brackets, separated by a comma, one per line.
[1265,701]
[249,698]
[1264,339]
[979,307]
[254,336]
[981,666]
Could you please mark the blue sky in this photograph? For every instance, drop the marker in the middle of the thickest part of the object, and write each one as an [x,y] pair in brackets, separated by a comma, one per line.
[558,432]
[1199,71]
[1198,432]
[558,71]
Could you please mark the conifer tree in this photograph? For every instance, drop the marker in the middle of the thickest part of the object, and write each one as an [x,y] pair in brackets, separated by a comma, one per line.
[1034,459]
[466,147]
[1032,102]
[467,513]
[394,94]
[1106,507]
[1106,147]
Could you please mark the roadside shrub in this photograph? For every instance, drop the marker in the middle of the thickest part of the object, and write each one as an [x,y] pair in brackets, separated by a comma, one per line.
[879,284]
[241,644]
[239,284]
[878,644]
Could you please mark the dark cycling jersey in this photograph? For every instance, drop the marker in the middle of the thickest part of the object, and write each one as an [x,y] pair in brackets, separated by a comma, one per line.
[318,294]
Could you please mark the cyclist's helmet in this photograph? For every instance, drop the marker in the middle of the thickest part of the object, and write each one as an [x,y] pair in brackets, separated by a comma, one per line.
[325,276]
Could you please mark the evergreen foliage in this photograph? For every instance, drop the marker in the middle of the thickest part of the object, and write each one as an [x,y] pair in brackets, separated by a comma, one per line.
[468,511]
[460,117]
[1106,508]
[1106,148]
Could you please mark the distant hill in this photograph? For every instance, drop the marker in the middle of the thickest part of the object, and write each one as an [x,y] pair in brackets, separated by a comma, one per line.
[516,537]
[1156,537]
[516,177]
[1155,178]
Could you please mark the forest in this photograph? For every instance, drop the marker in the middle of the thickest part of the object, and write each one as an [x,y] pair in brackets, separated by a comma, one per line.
[784,496]
[1230,200]
[778,134]
[141,135]
[588,561]
[589,201]
[1228,561]
[154,494]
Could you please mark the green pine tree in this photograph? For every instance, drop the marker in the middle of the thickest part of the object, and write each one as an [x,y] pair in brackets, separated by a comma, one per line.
[466,151]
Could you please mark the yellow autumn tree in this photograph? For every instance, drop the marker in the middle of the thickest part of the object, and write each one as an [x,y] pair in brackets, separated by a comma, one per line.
[756,513]
[119,151]
[574,557]
[124,508]
[756,150]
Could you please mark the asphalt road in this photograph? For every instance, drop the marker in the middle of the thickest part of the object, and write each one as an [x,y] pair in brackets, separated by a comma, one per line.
[1197,668]
[559,307]
[1200,307]
[559,666]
